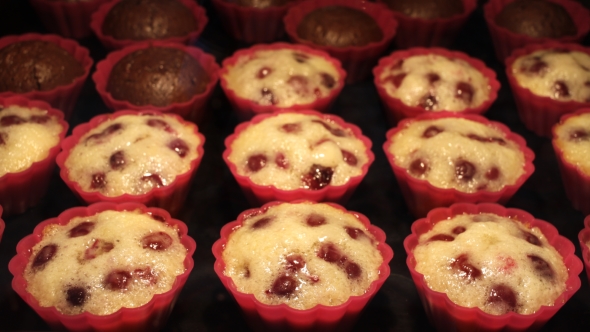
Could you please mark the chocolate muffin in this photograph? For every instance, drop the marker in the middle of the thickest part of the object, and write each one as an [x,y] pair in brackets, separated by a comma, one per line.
[259,3]
[36,65]
[148,19]
[426,9]
[157,76]
[339,26]
[537,19]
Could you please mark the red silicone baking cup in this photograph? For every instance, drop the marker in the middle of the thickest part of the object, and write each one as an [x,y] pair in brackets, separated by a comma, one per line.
[151,316]
[448,316]
[247,108]
[19,191]
[252,25]
[418,31]
[192,110]
[584,238]
[258,194]
[505,41]
[110,42]
[2,225]
[575,182]
[69,19]
[63,97]
[356,60]
[264,317]
[539,113]
[421,196]
[170,197]
[396,110]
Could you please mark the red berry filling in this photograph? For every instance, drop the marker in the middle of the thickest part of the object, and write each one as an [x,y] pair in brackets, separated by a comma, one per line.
[98,181]
[331,254]
[44,255]
[284,285]
[294,263]
[465,92]
[396,80]
[493,174]
[317,177]
[328,80]
[441,237]
[117,160]
[432,131]
[354,232]
[532,239]
[262,222]
[428,102]
[40,119]
[82,229]
[263,72]
[536,67]
[281,161]
[157,217]
[349,158]
[300,57]
[299,84]
[256,162]
[560,90]
[458,230]
[291,127]
[268,97]
[153,178]
[334,131]
[314,220]
[465,269]
[418,167]
[503,297]
[579,135]
[11,120]
[76,296]
[156,241]
[478,138]
[432,77]
[98,248]
[117,280]
[464,170]
[542,268]
[179,146]
[160,124]
[106,132]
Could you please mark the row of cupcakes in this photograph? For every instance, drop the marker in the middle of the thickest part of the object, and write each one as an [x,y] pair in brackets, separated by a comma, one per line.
[420,24]
[522,247]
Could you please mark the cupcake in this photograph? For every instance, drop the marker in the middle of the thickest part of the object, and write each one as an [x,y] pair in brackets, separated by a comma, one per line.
[421,80]
[526,22]
[486,267]
[297,155]
[146,157]
[301,265]
[429,22]
[326,25]
[268,78]
[104,267]
[30,136]
[59,72]
[443,158]
[584,238]
[69,18]
[571,142]
[161,76]
[548,80]
[253,21]
[121,23]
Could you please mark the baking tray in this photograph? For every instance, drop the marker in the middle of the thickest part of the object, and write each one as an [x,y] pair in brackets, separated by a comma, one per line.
[215,198]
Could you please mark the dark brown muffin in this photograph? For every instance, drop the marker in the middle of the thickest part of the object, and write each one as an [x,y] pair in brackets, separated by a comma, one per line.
[259,3]
[427,9]
[157,76]
[339,26]
[148,19]
[537,19]
[36,65]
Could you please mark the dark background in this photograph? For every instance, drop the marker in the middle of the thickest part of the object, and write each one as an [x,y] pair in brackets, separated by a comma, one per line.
[215,198]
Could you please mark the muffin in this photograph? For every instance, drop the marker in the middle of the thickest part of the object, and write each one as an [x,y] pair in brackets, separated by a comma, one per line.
[429,22]
[443,158]
[43,67]
[104,267]
[69,18]
[326,25]
[331,269]
[147,157]
[121,23]
[268,78]
[160,76]
[297,155]
[30,136]
[420,80]
[584,239]
[504,269]
[547,81]
[516,23]
[571,143]
[253,21]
